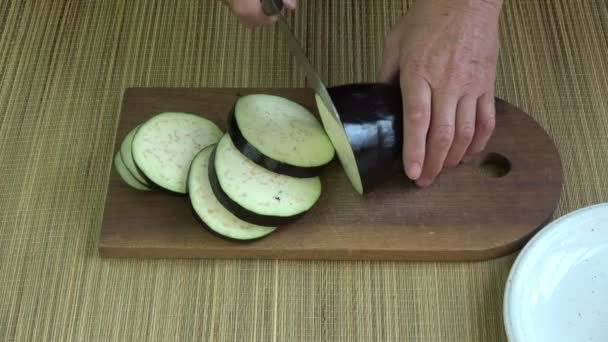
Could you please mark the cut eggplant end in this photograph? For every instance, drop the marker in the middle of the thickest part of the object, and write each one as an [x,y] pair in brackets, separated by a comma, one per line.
[255,194]
[366,129]
[163,147]
[126,176]
[127,156]
[341,143]
[210,211]
[371,115]
[281,130]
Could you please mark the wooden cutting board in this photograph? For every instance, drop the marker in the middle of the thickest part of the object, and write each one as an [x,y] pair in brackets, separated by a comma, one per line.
[483,209]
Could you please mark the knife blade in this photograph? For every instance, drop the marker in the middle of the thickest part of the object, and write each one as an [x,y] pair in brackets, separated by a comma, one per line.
[274,7]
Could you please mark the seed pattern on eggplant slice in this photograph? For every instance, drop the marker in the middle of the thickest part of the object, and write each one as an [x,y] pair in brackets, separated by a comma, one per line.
[264,161]
[210,210]
[259,190]
[283,130]
[164,146]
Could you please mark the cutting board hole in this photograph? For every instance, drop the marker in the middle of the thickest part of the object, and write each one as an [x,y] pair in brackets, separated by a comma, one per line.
[495,165]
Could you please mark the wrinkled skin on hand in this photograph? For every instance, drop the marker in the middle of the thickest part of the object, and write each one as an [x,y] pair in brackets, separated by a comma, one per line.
[444,55]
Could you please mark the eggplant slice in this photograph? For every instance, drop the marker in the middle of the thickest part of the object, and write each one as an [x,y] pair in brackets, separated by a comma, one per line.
[127,157]
[210,211]
[280,135]
[369,140]
[255,194]
[126,176]
[164,146]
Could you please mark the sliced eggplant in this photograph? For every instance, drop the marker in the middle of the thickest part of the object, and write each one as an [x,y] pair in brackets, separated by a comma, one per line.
[127,156]
[210,211]
[255,194]
[164,146]
[280,135]
[368,140]
[126,176]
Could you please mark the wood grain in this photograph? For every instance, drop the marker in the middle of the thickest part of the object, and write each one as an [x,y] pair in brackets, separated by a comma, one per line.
[466,215]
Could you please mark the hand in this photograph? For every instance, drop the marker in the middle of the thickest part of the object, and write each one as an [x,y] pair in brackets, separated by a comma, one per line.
[250,11]
[444,53]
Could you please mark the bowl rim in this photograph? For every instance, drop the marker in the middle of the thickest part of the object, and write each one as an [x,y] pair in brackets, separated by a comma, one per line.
[525,254]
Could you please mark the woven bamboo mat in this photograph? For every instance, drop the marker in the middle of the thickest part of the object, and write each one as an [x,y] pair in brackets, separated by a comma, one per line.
[63,68]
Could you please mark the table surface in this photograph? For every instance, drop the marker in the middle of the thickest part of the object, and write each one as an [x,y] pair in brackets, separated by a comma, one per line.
[64,66]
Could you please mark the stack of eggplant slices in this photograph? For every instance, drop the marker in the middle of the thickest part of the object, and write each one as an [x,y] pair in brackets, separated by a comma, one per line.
[262,173]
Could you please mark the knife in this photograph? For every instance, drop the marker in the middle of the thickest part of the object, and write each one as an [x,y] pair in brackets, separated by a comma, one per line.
[274,7]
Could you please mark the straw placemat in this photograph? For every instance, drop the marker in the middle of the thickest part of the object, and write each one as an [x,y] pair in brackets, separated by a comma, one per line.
[63,68]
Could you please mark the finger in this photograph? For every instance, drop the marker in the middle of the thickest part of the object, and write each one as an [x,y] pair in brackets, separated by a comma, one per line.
[484,124]
[441,135]
[390,59]
[465,130]
[290,4]
[251,13]
[256,20]
[416,93]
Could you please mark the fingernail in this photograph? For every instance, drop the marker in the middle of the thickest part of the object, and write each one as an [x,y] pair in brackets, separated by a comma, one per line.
[424,182]
[414,170]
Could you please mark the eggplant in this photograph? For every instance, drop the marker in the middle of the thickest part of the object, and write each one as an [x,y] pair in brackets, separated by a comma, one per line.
[257,195]
[369,137]
[209,211]
[279,135]
[163,148]
[126,176]
[127,157]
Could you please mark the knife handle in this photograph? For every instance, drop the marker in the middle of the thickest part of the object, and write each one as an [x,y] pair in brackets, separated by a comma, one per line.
[272,7]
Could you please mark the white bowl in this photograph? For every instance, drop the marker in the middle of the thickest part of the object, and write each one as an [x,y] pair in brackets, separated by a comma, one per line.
[557,289]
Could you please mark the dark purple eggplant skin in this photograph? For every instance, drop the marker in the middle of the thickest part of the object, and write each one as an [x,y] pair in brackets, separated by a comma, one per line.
[262,160]
[240,212]
[372,116]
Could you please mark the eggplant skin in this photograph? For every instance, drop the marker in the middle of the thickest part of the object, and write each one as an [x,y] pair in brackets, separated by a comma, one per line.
[262,160]
[372,116]
[240,212]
